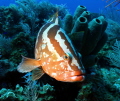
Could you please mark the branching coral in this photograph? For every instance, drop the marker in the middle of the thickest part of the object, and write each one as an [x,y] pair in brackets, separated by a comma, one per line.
[29,8]
[27,16]
[35,13]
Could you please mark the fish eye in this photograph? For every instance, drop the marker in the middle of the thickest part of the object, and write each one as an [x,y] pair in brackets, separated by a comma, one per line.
[66,57]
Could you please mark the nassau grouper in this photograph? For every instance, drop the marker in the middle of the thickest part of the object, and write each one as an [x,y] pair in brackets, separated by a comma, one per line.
[55,55]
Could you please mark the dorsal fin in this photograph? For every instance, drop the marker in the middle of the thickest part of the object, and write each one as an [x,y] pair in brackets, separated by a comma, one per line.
[37,73]
[55,17]
[28,64]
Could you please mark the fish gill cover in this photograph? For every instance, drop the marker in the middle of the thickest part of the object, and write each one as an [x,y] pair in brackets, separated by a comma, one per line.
[96,36]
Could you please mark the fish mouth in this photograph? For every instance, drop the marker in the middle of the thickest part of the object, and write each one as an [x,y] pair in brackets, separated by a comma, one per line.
[76,76]
[71,76]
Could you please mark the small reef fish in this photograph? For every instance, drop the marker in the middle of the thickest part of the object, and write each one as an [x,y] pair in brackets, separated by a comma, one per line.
[55,55]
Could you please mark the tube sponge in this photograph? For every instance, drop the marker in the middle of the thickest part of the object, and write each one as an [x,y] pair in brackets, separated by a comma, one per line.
[104,23]
[79,10]
[68,23]
[77,38]
[100,43]
[89,60]
[92,36]
[87,36]
[80,24]
[86,14]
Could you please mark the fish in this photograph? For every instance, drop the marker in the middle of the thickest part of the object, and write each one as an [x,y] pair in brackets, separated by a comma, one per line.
[55,55]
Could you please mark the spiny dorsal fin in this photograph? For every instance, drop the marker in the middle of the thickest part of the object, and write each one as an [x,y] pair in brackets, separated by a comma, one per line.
[55,17]
[28,64]
[37,73]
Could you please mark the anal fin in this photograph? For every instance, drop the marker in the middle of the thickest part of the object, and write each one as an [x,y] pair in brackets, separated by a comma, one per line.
[37,73]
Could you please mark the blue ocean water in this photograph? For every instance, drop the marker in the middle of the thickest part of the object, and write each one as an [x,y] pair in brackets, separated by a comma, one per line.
[94,6]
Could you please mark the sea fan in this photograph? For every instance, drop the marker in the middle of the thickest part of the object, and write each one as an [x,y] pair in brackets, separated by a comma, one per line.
[117,2]
[114,56]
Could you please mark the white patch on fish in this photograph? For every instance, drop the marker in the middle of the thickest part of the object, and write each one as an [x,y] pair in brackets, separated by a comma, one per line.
[45,55]
[68,40]
[54,74]
[43,46]
[61,42]
[39,34]
[74,62]
[69,68]
[47,41]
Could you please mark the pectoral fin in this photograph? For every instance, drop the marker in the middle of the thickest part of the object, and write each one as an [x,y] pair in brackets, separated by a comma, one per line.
[37,73]
[28,64]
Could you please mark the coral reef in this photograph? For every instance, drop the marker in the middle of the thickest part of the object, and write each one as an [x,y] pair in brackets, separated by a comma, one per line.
[5,46]
[88,31]
[22,94]
[27,16]
[6,66]
[21,45]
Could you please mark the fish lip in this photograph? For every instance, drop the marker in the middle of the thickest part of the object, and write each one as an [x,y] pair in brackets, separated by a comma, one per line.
[77,73]
[76,76]
[70,76]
